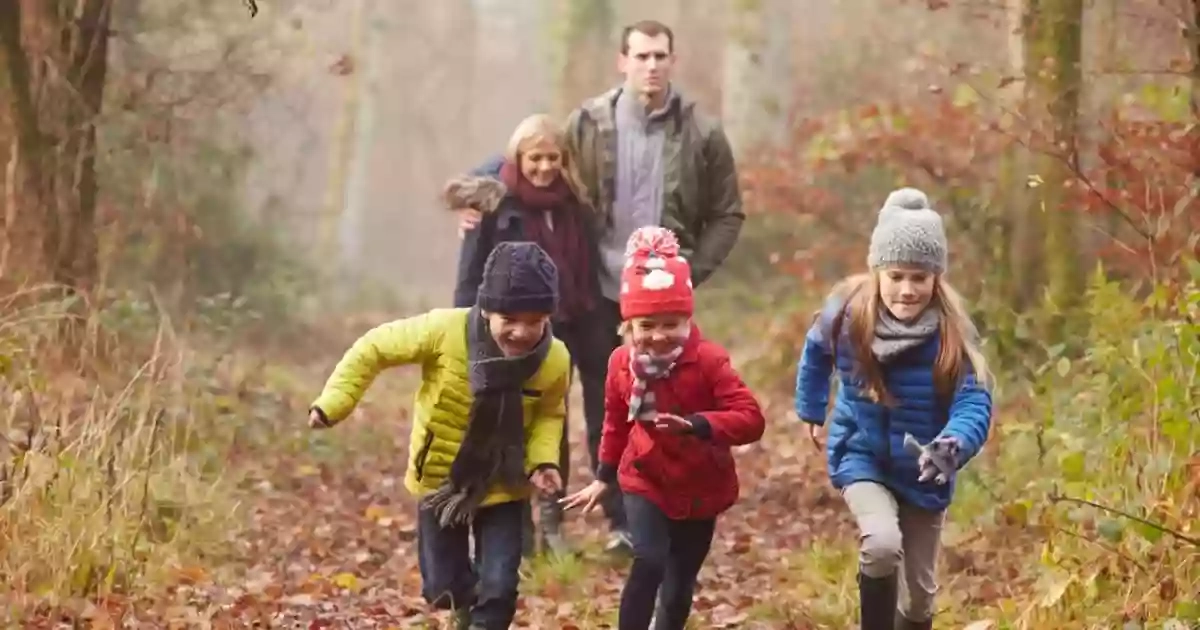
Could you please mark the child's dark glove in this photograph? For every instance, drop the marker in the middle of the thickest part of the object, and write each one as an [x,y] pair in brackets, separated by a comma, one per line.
[937,460]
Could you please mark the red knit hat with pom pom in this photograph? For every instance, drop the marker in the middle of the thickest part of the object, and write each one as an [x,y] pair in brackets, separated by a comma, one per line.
[656,279]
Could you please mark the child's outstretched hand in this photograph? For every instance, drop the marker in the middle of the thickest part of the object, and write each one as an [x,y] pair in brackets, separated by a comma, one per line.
[588,497]
[546,480]
[317,420]
[671,423]
[937,460]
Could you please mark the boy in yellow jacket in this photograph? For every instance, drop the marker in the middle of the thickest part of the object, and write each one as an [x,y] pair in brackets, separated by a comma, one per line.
[487,422]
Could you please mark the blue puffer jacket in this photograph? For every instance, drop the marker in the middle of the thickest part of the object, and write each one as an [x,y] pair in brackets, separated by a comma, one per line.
[865,441]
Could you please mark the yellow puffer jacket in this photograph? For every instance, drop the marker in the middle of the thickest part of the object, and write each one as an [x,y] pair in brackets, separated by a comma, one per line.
[437,341]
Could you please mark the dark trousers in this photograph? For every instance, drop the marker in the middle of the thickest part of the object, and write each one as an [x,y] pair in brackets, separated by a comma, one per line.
[667,556]
[488,586]
[591,341]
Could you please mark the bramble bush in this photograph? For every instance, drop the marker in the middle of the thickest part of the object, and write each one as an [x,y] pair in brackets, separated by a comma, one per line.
[1092,481]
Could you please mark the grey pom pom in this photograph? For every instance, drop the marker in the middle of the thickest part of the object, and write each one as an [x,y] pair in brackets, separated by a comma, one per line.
[907,198]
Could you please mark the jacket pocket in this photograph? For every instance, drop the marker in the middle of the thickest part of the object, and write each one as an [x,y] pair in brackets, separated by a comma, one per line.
[642,456]
[837,451]
[423,454]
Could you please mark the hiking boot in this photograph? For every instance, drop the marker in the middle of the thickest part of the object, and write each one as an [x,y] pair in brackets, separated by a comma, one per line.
[903,623]
[619,543]
[877,602]
[528,532]
[551,537]
[462,619]
[553,543]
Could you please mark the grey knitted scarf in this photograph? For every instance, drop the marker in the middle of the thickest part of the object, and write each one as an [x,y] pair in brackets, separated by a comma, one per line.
[493,449]
[893,336]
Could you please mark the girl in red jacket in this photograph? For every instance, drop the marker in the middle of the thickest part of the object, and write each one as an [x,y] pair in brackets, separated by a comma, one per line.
[673,408]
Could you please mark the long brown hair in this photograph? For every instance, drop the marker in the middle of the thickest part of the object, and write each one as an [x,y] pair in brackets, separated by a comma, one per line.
[957,334]
[543,127]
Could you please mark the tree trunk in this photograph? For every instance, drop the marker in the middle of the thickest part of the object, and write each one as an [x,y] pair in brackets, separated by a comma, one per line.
[55,148]
[587,49]
[26,237]
[87,75]
[1193,41]
[350,220]
[1053,49]
[756,95]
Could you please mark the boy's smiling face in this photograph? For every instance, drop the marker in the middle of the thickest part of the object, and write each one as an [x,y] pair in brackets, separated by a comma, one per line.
[517,333]
[660,334]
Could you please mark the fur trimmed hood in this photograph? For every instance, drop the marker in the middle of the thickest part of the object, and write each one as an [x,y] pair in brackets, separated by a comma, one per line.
[473,191]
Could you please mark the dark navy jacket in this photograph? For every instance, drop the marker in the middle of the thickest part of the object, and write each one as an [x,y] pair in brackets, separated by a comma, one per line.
[502,225]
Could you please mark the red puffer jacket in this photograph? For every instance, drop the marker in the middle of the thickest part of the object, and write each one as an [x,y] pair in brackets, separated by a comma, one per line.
[687,476]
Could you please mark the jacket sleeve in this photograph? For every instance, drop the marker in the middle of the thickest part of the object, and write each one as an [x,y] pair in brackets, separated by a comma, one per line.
[614,436]
[489,168]
[544,435]
[737,418]
[722,216]
[404,341]
[816,367]
[476,246]
[575,132]
[970,419]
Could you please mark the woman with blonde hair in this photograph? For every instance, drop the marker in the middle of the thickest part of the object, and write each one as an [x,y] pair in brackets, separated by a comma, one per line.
[912,408]
[532,193]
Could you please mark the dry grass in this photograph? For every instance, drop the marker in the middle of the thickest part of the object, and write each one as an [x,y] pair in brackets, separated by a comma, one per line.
[110,472]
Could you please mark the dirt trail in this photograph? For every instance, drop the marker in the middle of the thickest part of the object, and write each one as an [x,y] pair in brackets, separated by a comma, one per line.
[330,543]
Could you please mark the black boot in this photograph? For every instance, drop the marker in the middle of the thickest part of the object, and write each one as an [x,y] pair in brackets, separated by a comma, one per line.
[551,535]
[461,618]
[903,623]
[877,602]
[528,531]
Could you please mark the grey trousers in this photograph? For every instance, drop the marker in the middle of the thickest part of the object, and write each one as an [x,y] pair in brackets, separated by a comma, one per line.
[893,535]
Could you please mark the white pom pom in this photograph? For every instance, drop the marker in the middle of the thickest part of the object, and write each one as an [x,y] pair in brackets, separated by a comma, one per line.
[658,280]
[908,198]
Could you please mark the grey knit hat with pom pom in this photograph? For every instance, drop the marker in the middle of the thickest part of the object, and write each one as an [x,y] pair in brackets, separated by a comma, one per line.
[908,233]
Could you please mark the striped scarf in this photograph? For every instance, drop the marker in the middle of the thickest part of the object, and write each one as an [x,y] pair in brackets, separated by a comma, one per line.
[648,367]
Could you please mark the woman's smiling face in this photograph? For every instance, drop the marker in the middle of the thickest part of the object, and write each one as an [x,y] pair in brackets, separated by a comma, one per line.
[541,161]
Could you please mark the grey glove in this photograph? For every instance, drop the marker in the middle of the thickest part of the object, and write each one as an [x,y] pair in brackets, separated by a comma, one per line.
[937,460]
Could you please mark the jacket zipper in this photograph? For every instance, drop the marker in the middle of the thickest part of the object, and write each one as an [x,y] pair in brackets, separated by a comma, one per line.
[887,436]
[424,454]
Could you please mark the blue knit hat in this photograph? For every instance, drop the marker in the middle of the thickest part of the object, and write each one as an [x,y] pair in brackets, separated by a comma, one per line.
[518,277]
[908,232]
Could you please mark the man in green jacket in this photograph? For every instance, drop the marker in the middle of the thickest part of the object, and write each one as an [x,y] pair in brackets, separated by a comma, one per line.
[647,156]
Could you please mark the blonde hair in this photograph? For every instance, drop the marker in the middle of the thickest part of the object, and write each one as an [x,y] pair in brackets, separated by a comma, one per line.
[543,127]
[956,332]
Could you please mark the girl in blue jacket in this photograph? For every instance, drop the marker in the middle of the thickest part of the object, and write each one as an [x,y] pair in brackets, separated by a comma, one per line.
[913,406]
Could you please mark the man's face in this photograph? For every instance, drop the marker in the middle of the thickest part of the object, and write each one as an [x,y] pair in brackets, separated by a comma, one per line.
[647,63]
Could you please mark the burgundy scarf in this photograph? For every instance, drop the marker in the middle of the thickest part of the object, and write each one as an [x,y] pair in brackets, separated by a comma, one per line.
[566,241]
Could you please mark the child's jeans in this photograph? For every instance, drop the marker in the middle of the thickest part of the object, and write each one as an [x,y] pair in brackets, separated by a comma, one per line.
[489,585]
[667,555]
